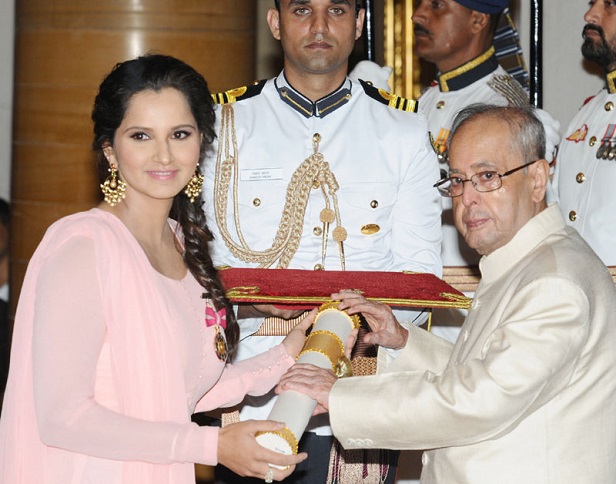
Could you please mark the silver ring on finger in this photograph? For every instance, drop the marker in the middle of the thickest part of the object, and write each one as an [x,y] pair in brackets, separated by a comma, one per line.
[269,476]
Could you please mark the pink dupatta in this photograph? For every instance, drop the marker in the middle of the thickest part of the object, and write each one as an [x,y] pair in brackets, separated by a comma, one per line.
[142,344]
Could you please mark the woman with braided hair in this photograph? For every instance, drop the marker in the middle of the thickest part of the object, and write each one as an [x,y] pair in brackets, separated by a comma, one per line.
[123,329]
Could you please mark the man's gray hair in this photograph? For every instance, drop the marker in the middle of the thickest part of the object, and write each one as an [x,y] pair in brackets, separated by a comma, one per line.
[527,132]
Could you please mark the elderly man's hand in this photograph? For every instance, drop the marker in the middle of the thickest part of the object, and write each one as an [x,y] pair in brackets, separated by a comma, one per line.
[311,380]
[386,331]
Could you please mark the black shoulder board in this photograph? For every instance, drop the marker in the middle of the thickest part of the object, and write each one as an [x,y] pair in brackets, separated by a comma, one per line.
[392,100]
[239,93]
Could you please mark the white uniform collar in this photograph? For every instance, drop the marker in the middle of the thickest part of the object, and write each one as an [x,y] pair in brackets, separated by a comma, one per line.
[321,108]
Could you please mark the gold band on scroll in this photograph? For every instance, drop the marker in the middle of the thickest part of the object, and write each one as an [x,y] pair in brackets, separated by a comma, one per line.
[326,343]
[287,435]
[353,319]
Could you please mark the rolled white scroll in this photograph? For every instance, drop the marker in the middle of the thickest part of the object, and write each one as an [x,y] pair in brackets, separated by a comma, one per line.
[324,348]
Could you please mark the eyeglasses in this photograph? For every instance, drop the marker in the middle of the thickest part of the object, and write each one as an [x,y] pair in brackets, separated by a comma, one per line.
[484,181]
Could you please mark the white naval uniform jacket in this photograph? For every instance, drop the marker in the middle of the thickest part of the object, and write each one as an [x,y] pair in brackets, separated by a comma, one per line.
[528,392]
[384,164]
[585,183]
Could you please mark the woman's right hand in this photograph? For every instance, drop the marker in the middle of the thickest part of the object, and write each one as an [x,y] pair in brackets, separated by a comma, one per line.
[239,451]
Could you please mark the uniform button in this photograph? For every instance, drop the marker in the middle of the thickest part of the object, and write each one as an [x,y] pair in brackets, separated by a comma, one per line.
[440,105]
[572,216]
[370,229]
[374,203]
[425,459]
[318,231]
[318,267]
[592,141]
[580,178]
[256,202]
[609,106]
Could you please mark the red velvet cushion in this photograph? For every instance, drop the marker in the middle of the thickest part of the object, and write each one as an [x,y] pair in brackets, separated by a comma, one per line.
[305,288]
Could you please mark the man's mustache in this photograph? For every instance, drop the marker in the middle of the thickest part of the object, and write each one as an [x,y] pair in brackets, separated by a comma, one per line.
[421,29]
[596,28]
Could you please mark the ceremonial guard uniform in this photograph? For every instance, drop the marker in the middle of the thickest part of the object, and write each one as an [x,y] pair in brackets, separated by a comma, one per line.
[586,172]
[343,183]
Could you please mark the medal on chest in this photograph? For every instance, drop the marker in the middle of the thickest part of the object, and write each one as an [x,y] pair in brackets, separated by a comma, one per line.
[218,319]
[220,345]
[607,150]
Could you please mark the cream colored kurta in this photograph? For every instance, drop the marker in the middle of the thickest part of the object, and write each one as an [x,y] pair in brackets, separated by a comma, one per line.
[528,392]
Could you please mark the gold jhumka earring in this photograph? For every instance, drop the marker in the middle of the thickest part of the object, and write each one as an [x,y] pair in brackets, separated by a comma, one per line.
[194,186]
[113,189]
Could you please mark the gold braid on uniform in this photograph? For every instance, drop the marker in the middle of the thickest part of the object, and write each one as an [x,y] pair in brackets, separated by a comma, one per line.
[312,173]
[510,89]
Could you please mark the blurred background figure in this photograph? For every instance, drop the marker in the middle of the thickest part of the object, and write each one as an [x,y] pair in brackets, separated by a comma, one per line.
[4,294]
[585,170]
[4,250]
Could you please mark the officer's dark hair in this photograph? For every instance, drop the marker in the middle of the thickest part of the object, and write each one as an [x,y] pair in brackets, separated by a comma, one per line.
[358,5]
[154,73]
[527,132]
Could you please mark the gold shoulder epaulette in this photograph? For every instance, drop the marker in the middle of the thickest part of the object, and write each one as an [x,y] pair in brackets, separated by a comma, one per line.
[510,89]
[389,98]
[239,93]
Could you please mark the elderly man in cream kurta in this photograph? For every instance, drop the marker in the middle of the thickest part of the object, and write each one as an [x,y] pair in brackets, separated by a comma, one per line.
[527,394]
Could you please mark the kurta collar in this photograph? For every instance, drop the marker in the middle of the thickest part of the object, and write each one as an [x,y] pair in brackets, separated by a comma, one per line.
[321,108]
[536,230]
[466,74]
[610,77]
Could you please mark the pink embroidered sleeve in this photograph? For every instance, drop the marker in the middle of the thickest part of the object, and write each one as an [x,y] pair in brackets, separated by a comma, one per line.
[253,376]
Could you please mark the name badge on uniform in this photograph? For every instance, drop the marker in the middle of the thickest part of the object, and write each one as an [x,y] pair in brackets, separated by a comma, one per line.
[258,174]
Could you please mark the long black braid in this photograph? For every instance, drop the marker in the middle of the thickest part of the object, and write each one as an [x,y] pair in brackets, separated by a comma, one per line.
[197,258]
